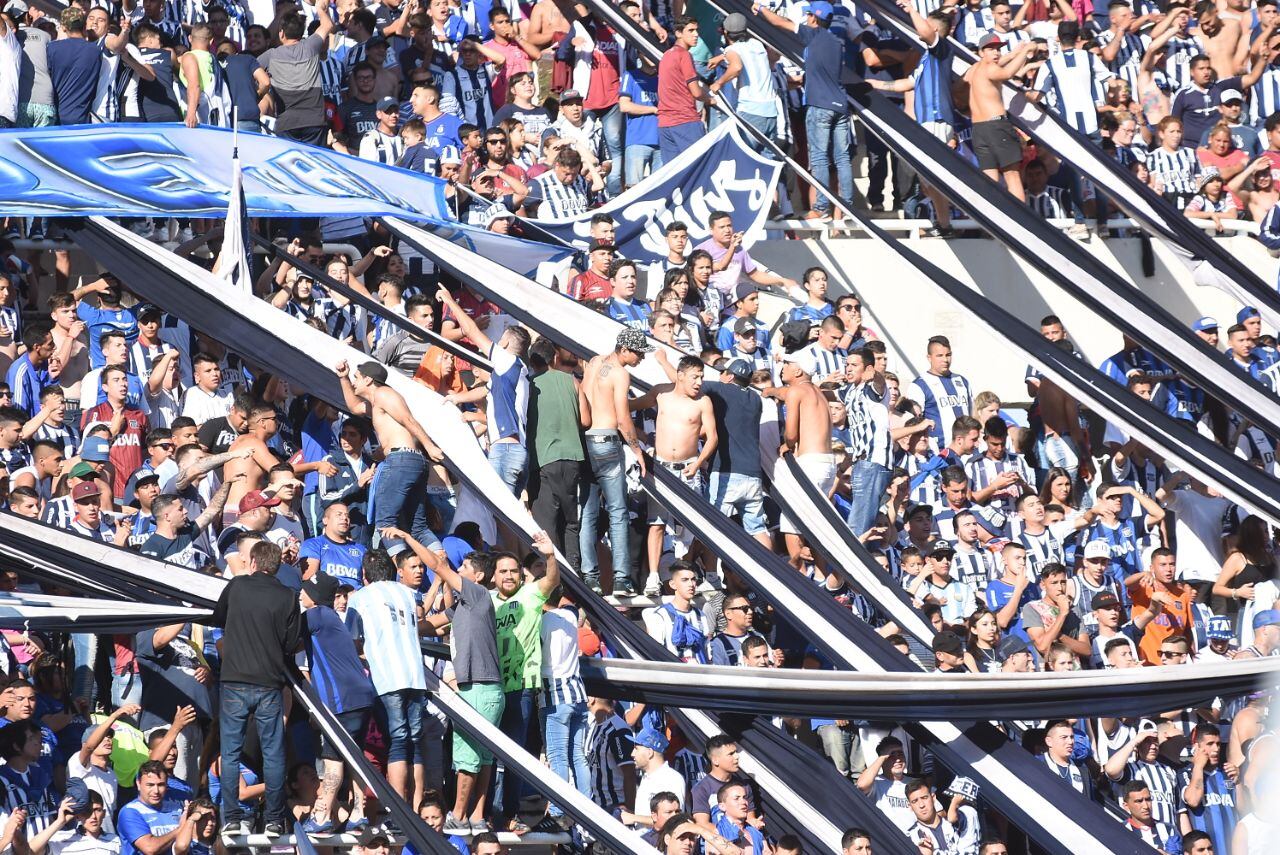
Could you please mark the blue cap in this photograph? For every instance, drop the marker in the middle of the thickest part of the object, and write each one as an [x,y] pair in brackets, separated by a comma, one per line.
[1219,626]
[1246,313]
[1271,617]
[819,9]
[96,450]
[651,739]
[456,550]
[78,791]
[1205,323]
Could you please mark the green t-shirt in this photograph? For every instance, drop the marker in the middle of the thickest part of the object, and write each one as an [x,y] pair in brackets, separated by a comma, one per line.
[519,621]
[709,21]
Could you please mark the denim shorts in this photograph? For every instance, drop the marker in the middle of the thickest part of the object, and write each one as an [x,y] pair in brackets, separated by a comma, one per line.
[733,491]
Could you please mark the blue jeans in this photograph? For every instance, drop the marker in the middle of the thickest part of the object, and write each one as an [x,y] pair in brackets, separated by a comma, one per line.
[677,138]
[517,716]
[240,702]
[868,481]
[767,125]
[126,688]
[508,459]
[641,159]
[608,466]
[564,732]
[611,124]
[85,645]
[829,143]
[401,495]
[400,719]
[734,492]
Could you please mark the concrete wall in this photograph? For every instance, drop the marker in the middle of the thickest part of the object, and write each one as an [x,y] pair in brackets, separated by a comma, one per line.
[905,310]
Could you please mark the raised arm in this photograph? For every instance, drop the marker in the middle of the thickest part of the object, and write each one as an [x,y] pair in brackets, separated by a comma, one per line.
[775,19]
[547,550]
[354,403]
[468,327]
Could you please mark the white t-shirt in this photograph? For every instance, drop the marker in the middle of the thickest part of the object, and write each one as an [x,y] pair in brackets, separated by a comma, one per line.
[1198,533]
[891,797]
[664,779]
[101,781]
[71,842]
[10,54]
[202,406]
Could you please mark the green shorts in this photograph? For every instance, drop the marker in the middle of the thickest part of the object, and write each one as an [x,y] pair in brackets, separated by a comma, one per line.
[488,699]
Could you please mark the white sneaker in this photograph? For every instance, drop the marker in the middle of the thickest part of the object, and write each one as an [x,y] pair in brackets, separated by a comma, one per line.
[652,585]
[185,235]
[143,229]
[1079,231]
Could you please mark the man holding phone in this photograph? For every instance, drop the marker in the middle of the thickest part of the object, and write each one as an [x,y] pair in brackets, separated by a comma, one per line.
[730,262]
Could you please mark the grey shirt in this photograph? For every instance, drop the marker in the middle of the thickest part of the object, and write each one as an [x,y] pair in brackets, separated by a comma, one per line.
[34,85]
[474,636]
[402,352]
[295,80]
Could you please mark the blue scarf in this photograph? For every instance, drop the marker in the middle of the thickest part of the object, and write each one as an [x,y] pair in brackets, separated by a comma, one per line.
[685,636]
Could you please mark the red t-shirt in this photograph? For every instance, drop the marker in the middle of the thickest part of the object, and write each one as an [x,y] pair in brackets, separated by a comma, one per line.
[126,448]
[676,105]
[590,286]
[475,308]
[602,90]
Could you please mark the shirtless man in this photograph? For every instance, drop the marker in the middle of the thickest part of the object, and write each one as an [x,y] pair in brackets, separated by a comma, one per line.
[995,140]
[548,23]
[400,499]
[606,413]
[1221,36]
[255,466]
[807,434]
[684,417]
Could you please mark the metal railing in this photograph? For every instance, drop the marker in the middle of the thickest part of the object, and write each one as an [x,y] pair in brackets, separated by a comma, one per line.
[911,229]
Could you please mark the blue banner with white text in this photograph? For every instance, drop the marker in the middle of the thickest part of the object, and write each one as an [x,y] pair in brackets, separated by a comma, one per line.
[718,173]
[136,170]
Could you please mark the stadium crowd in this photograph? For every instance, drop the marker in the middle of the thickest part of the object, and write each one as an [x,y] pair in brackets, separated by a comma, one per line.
[1042,539]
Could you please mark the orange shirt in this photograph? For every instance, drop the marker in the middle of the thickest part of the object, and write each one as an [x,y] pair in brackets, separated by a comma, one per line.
[1175,619]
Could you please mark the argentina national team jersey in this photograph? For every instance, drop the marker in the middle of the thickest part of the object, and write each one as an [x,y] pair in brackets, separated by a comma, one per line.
[945,399]
[1073,81]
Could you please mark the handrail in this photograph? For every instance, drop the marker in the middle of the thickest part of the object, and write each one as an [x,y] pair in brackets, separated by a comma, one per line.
[911,227]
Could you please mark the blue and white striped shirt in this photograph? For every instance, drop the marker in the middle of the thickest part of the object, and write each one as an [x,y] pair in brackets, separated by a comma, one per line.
[821,363]
[1177,170]
[631,313]
[944,399]
[933,84]
[1073,80]
[608,751]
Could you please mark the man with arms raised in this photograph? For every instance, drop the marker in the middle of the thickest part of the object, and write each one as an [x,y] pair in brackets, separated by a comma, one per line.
[254,459]
[606,413]
[807,435]
[995,140]
[401,495]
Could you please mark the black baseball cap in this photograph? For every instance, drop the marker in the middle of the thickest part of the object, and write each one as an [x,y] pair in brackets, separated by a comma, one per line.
[948,642]
[321,588]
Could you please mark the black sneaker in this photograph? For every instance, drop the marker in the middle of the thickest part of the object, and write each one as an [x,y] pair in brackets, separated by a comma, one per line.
[235,828]
[593,582]
[273,829]
[548,825]
[624,588]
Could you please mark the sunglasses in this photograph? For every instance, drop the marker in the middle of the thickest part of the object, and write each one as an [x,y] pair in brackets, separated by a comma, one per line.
[496,141]
[167,446]
[1168,653]
[738,609]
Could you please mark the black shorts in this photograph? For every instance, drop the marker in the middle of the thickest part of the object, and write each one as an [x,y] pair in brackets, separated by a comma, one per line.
[996,144]
[355,723]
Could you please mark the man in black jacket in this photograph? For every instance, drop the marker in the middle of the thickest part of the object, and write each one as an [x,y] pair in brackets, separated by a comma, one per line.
[262,629]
